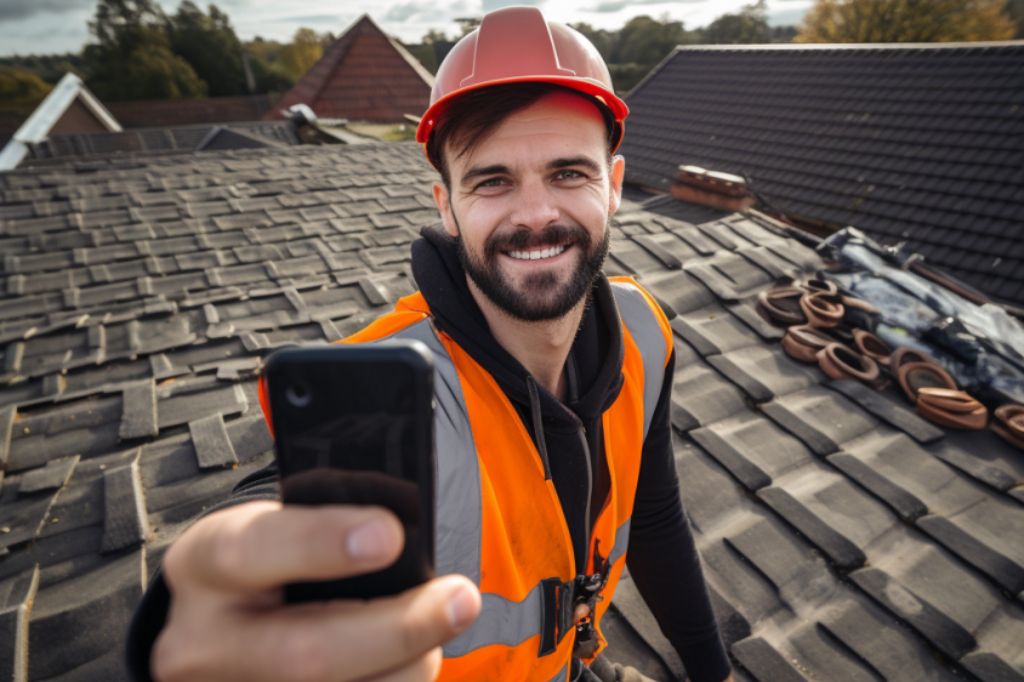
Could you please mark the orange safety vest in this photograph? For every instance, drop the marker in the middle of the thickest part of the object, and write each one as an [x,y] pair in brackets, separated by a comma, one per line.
[498,520]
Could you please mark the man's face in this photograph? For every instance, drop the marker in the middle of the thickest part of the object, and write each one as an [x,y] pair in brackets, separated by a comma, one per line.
[530,204]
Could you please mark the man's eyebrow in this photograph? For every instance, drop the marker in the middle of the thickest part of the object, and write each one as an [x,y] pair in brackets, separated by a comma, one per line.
[584,161]
[493,169]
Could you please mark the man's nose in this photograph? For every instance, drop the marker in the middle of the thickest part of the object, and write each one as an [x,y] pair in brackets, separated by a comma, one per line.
[535,206]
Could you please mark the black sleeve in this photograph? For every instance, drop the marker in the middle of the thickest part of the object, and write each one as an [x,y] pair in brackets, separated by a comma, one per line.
[151,613]
[663,559]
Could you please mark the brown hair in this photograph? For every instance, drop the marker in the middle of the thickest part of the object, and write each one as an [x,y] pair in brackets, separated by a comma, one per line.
[469,118]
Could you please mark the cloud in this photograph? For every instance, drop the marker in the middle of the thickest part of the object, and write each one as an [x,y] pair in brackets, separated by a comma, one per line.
[787,17]
[610,6]
[23,9]
[312,19]
[404,10]
[491,5]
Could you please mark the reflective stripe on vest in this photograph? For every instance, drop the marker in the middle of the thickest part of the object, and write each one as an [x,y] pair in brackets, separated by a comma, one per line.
[646,332]
[459,503]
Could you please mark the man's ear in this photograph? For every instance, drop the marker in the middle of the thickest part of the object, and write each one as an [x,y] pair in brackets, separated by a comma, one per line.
[615,177]
[444,206]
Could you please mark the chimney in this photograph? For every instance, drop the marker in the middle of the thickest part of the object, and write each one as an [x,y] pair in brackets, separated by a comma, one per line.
[698,185]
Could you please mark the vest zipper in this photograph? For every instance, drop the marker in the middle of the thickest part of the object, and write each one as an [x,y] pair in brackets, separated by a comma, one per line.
[590,494]
[542,449]
[538,425]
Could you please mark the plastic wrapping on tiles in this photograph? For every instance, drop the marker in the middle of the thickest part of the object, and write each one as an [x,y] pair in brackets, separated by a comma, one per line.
[982,346]
[858,252]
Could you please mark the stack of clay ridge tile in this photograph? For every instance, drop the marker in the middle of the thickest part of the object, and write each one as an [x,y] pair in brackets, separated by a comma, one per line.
[843,537]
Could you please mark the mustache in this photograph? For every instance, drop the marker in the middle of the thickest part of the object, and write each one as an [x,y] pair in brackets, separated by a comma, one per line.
[525,238]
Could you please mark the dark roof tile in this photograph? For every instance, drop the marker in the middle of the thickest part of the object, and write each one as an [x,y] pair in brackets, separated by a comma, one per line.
[23,514]
[125,522]
[763,373]
[751,448]
[763,661]
[1004,570]
[822,420]
[679,290]
[892,652]
[903,503]
[53,476]
[701,397]
[839,549]
[199,314]
[212,444]
[138,417]
[887,410]
[711,330]
[862,146]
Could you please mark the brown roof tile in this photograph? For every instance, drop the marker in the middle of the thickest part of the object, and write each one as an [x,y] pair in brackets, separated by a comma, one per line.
[363,75]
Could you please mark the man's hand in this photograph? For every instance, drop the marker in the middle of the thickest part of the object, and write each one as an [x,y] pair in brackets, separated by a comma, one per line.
[228,621]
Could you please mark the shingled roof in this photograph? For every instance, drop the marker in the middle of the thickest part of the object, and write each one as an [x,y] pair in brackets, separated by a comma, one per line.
[844,538]
[922,144]
[148,113]
[70,108]
[247,135]
[364,75]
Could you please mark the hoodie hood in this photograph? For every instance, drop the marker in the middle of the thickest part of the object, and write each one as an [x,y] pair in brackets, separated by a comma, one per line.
[595,360]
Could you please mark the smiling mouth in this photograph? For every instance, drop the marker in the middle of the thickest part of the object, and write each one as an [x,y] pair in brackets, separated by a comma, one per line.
[537,254]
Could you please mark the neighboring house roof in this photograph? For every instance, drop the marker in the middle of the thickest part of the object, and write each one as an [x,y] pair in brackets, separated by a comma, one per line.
[364,75]
[69,108]
[843,537]
[189,111]
[245,135]
[915,143]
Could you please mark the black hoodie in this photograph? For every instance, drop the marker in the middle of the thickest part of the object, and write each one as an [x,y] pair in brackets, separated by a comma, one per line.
[662,558]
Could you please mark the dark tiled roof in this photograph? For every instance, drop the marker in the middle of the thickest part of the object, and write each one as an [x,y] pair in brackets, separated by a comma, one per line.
[364,75]
[843,537]
[241,135]
[180,112]
[923,144]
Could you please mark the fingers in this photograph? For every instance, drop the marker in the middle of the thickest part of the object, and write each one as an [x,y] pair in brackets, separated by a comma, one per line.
[367,638]
[259,546]
[393,639]
[423,669]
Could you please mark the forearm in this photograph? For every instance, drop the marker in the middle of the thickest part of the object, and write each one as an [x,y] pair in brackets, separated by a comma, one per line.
[663,558]
[151,613]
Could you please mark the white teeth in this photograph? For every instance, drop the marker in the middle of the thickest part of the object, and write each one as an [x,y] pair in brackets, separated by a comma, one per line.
[549,252]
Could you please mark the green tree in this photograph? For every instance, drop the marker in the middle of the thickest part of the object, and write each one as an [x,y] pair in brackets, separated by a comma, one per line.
[264,62]
[1015,9]
[902,21]
[209,44]
[646,41]
[50,67]
[21,90]
[132,57]
[749,25]
[603,40]
[467,24]
[301,54]
[432,49]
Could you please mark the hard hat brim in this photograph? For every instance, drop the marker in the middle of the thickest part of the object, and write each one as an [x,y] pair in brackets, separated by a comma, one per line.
[618,108]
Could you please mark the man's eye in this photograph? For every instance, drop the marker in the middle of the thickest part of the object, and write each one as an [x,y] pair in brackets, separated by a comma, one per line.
[569,174]
[490,182]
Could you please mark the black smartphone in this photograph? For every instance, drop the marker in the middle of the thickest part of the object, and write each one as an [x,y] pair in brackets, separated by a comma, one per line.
[354,424]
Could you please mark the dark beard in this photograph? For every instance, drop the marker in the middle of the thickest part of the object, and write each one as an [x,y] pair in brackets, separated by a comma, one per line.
[539,299]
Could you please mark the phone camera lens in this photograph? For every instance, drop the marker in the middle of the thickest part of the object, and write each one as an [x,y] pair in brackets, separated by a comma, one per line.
[298,395]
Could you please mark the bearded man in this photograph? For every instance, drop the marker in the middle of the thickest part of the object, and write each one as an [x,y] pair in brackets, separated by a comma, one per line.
[554,458]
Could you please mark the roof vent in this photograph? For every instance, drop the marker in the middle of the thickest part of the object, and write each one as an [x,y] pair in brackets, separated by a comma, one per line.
[698,185]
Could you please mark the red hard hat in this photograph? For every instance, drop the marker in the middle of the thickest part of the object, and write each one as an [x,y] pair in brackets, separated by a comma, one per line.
[518,45]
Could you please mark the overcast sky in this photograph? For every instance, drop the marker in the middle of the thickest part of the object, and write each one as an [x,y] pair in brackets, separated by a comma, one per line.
[51,26]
